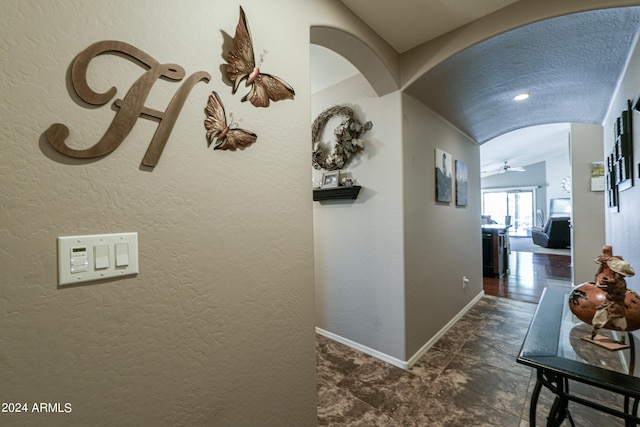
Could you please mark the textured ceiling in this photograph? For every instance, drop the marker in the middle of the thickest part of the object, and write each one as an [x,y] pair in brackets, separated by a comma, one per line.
[570,65]
[524,147]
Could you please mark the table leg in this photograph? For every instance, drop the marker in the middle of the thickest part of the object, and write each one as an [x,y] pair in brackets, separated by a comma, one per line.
[560,409]
[558,412]
[534,402]
[634,411]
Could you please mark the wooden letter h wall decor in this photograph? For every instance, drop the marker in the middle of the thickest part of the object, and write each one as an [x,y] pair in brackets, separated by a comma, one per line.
[129,108]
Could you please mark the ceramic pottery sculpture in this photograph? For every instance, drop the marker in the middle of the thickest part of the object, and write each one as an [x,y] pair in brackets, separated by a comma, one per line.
[606,302]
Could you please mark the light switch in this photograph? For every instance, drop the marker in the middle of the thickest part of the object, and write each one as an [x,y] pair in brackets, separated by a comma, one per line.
[122,254]
[101,256]
[87,258]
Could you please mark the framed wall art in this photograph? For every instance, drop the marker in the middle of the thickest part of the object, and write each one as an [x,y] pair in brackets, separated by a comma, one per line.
[462,184]
[611,182]
[619,164]
[330,179]
[444,169]
[623,150]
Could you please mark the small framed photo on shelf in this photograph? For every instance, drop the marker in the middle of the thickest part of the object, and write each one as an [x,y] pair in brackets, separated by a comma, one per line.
[330,179]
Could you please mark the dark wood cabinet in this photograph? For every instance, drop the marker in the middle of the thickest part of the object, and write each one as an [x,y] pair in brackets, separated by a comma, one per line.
[495,254]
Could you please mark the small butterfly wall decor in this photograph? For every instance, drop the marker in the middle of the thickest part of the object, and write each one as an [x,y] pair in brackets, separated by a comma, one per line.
[242,66]
[217,129]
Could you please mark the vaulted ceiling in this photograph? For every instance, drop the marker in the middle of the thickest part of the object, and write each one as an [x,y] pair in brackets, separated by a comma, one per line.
[569,65]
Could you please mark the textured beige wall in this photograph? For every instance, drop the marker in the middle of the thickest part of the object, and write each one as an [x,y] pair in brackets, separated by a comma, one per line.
[217,329]
[622,229]
[588,213]
[442,242]
[359,265]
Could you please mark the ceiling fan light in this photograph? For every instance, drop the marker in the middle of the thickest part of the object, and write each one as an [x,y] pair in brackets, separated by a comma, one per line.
[521,96]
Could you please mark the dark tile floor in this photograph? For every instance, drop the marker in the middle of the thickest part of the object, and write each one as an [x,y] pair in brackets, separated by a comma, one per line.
[468,378]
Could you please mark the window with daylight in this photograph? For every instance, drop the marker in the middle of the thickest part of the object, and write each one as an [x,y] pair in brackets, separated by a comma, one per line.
[514,207]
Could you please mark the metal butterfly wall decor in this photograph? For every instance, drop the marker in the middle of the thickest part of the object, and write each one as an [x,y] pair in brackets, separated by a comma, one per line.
[242,66]
[216,125]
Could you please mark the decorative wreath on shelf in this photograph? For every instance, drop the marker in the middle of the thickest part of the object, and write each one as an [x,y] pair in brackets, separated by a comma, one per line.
[347,138]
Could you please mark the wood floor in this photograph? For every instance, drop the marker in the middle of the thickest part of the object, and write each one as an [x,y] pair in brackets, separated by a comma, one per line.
[529,274]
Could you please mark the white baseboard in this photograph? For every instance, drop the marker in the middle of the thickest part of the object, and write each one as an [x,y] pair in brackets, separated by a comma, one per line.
[442,331]
[371,352]
[403,364]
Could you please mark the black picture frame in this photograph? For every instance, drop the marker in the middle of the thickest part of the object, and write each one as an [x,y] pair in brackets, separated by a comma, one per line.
[619,173]
[624,150]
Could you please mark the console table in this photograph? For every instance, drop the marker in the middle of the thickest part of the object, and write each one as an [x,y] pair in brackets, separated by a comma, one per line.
[553,347]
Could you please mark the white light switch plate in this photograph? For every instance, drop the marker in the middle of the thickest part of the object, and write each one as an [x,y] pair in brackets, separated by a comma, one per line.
[81,267]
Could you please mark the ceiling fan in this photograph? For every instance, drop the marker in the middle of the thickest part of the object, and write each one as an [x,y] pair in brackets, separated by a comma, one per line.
[505,168]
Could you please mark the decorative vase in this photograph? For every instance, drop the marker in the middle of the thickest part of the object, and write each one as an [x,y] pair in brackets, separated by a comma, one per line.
[587,297]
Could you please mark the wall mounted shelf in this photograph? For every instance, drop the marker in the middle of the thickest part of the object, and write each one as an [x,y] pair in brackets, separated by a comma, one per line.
[336,193]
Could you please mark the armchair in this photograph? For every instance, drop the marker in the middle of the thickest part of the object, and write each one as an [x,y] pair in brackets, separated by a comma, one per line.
[556,233]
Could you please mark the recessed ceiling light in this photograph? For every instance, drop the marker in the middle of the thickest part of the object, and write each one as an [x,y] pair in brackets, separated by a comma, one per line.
[521,97]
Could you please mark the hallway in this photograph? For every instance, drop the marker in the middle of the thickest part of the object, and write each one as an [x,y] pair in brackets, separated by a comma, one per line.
[468,378]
